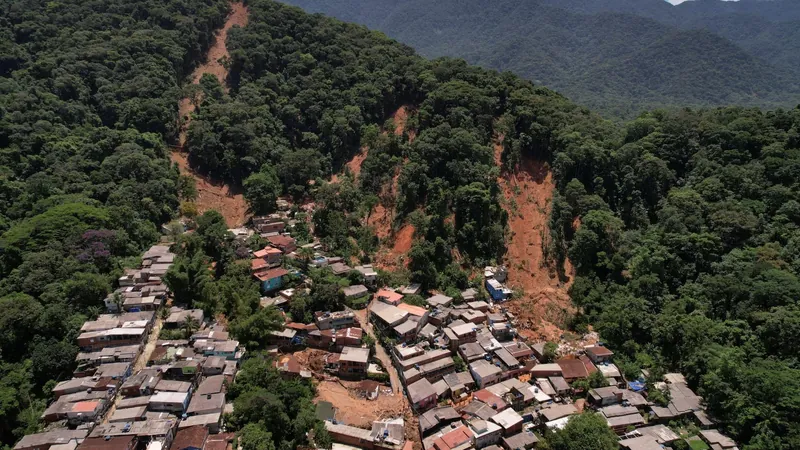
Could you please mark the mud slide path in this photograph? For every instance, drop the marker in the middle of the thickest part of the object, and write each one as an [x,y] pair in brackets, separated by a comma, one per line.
[213,194]
[544,304]
[394,245]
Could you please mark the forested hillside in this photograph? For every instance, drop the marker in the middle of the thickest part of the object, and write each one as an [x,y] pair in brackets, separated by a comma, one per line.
[682,226]
[686,250]
[88,95]
[616,57]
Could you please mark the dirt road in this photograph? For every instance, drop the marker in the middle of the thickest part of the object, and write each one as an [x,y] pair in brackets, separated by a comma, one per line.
[380,352]
[140,362]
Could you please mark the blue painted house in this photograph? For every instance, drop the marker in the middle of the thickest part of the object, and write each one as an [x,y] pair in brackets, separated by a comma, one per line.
[272,279]
[497,290]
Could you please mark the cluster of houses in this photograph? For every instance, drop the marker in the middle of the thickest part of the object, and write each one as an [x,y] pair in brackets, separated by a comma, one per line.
[471,380]
[127,394]
[266,264]
[475,384]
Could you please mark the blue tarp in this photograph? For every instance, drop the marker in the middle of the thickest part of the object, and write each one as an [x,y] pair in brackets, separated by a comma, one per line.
[636,386]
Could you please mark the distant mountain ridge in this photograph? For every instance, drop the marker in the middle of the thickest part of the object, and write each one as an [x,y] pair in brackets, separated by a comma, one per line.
[617,56]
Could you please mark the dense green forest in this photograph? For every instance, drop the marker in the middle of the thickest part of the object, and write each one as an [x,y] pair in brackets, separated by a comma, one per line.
[88,95]
[628,56]
[687,253]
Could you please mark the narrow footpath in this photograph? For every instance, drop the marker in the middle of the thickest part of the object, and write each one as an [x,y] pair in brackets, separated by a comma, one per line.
[140,362]
[380,352]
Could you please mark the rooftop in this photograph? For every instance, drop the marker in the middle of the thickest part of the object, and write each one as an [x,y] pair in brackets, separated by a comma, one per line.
[55,437]
[559,383]
[471,350]
[405,327]
[432,418]
[439,300]
[211,385]
[641,443]
[108,443]
[662,433]
[266,251]
[626,420]
[355,290]
[281,240]
[355,354]
[715,437]
[506,357]
[173,386]
[190,437]
[420,390]
[206,403]
[572,368]
[388,313]
[169,397]
[618,410]
[464,329]
[156,427]
[598,351]
[413,310]
[483,368]
[454,439]
[491,399]
[271,274]
[200,419]
[526,439]
[558,411]
[479,409]
[388,296]
[507,418]
[389,431]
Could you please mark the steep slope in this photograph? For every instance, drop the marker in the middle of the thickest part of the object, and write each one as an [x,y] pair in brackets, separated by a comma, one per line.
[542,306]
[539,42]
[213,193]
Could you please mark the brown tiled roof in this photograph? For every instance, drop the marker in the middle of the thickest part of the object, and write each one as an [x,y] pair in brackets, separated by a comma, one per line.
[112,443]
[490,399]
[266,251]
[190,437]
[590,367]
[270,274]
[572,368]
[280,240]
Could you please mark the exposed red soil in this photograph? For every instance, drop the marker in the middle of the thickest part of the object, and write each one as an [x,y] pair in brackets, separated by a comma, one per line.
[394,245]
[219,50]
[354,165]
[238,17]
[210,193]
[400,120]
[213,194]
[380,218]
[544,305]
[357,411]
[395,257]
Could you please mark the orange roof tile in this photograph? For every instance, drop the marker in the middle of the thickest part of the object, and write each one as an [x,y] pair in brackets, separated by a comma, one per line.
[454,438]
[270,274]
[84,406]
[266,251]
[390,296]
[413,310]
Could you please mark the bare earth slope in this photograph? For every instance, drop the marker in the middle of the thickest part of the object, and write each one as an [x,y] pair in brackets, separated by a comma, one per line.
[544,303]
[212,194]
